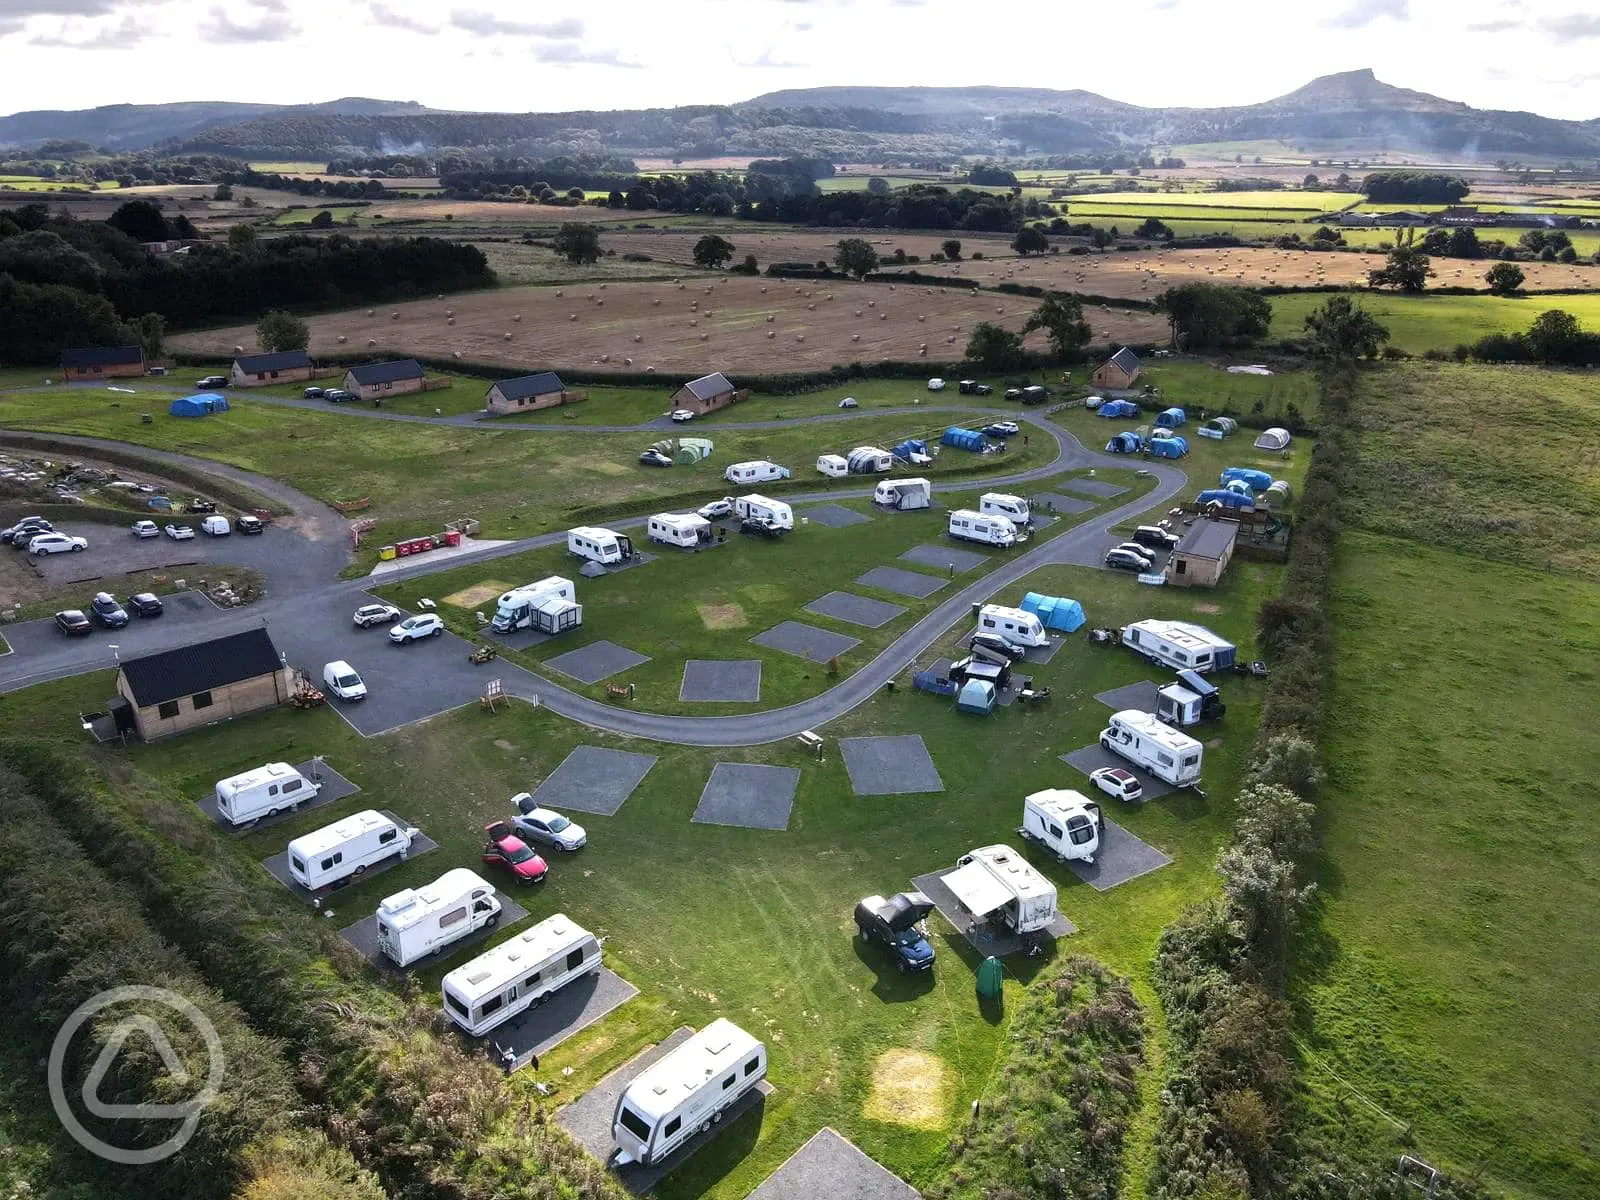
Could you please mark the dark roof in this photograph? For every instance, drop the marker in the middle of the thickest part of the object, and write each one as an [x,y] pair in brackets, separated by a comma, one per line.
[283,360]
[708,386]
[524,386]
[1208,539]
[102,356]
[1126,359]
[387,372]
[157,678]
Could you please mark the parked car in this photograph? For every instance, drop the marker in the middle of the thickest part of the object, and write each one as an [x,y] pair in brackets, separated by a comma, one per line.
[338,395]
[107,611]
[546,826]
[1136,548]
[145,604]
[146,529]
[212,381]
[415,628]
[24,537]
[716,510]
[654,458]
[1122,560]
[936,385]
[1155,537]
[179,533]
[247,524]
[341,679]
[73,623]
[1002,429]
[1118,782]
[848,402]
[56,543]
[897,924]
[313,393]
[503,848]
[26,525]
[993,641]
[369,615]
[681,415]
[1013,394]
[760,527]
[197,505]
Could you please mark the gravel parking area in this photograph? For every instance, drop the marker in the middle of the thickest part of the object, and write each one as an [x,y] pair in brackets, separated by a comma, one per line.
[593,780]
[749,795]
[857,610]
[942,558]
[830,1166]
[889,766]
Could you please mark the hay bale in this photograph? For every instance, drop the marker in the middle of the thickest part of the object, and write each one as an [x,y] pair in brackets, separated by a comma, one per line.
[638,337]
[855,337]
[605,358]
[627,362]
[883,316]
[560,292]
[371,342]
[457,353]
[858,312]
[799,337]
[599,303]
[572,316]
[394,316]
[449,312]
[872,304]
[602,286]
[922,316]
[704,336]
[693,322]
[770,318]
[508,337]
[656,303]
[238,349]
[372,312]
[772,333]
[342,339]
[809,307]
[441,296]
[449,320]
[680,286]
[516,316]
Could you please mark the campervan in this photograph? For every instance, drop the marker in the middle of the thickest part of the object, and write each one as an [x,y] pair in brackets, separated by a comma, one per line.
[1179,645]
[416,922]
[263,792]
[1149,744]
[999,504]
[529,606]
[769,512]
[833,465]
[975,527]
[517,974]
[760,471]
[1064,822]
[1017,627]
[675,529]
[1188,700]
[599,545]
[869,460]
[903,494]
[997,883]
[685,1092]
[348,847]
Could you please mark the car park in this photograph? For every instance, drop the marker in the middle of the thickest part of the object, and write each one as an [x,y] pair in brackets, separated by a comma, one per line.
[897,925]
[107,611]
[56,543]
[146,604]
[1118,782]
[146,529]
[996,644]
[503,848]
[654,458]
[716,510]
[28,525]
[212,381]
[73,623]
[1122,560]
[179,533]
[247,524]
[342,680]
[681,415]
[849,402]
[369,615]
[1155,537]
[414,628]
[546,826]
[313,393]
[1002,429]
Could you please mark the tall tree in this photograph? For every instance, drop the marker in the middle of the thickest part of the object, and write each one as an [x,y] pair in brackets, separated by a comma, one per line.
[1343,331]
[242,237]
[1030,241]
[951,248]
[150,331]
[1210,316]
[141,220]
[1061,317]
[712,251]
[855,256]
[578,242]
[1554,335]
[1407,270]
[878,185]
[994,347]
[282,331]
[1504,278]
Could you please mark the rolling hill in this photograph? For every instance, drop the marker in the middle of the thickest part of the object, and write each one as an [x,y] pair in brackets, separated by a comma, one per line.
[136,126]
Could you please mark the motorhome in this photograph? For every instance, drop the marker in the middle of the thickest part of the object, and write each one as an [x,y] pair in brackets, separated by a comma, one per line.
[677,529]
[975,527]
[1017,627]
[833,465]
[330,855]
[760,471]
[416,922]
[550,605]
[685,1092]
[869,460]
[1154,747]
[599,545]
[1179,645]
[903,495]
[1188,700]
[263,792]
[1000,504]
[997,883]
[519,973]
[1065,822]
[758,508]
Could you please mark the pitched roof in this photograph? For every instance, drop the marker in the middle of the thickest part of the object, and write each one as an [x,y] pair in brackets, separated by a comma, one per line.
[157,678]
[524,386]
[1208,539]
[708,386]
[1126,359]
[283,360]
[387,372]
[102,356]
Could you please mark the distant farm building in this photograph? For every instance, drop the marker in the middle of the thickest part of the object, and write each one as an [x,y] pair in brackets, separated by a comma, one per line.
[528,392]
[258,370]
[375,381]
[1118,371]
[707,394]
[102,362]
[1202,556]
[206,682]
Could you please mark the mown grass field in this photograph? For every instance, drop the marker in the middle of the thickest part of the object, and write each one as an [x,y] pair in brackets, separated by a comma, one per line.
[1419,323]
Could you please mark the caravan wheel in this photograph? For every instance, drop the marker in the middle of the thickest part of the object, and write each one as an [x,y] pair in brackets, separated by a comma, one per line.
[716,1116]
[706,1128]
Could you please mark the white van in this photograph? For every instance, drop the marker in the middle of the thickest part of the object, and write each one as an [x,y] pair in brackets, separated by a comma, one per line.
[418,921]
[263,792]
[216,526]
[685,1092]
[760,471]
[1065,822]
[975,527]
[1001,504]
[758,508]
[903,495]
[599,545]
[672,529]
[519,973]
[1017,627]
[346,848]
[1155,747]
[833,466]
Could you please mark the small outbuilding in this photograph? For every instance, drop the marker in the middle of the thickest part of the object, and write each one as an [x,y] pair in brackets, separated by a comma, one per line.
[195,685]
[707,394]
[375,381]
[1118,371]
[258,370]
[1274,439]
[102,362]
[527,393]
[1202,556]
[201,404]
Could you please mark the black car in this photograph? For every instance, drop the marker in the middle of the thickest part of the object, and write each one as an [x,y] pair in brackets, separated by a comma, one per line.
[22,538]
[756,527]
[27,525]
[247,524]
[997,644]
[896,924]
[312,393]
[73,623]
[338,395]
[1155,537]
[107,611]
[146,604]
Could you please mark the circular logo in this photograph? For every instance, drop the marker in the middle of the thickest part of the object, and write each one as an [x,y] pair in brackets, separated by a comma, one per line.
[143,1001]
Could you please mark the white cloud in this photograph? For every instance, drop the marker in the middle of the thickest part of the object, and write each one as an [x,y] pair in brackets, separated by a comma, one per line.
[101,36]
[1364,12]
[384,15]
[1573,25]
[477,21]
[571,54]
[276,26]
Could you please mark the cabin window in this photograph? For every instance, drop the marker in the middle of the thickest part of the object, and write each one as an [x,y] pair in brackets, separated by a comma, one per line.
[455,1003]
[167,710]
[728,1082]
[1191,760]
[1164,759]
[575,959]
[1055,830]
[634,1124]
[533,979]
[751,1067]
[387,836]
[292,786]
[453,917]
[201,700]
[491,1005]
[332,861]
[298,865]
[672,1127]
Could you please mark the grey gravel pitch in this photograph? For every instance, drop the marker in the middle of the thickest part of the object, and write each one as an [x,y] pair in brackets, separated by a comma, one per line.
[984,937]
[334,787]
[593,779]
[835,516]
[541,1029]
[1070,505]
[748,794]
[725,679]
[363,935]
[805,641]
[1122,857]
[901,582]
[1092,758]
[941,557]
[278,864]
[596,661]
[858,610]
[889,766]
[1041,655]
[1141,695]
[1094,487]
[833,1167]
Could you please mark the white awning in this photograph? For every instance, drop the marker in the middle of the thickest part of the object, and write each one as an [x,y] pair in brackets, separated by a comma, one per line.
[979,892]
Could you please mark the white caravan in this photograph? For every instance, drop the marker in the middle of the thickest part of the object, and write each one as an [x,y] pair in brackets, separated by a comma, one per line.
[869,460]
[903,494]
[832,465]
[759,508]
[1002,504]
[760,471]
[686,1092]
[674,529]
[996,882]
[1063,821]
[347,847]
[414,923]
[1017,627]
[975,527]
[1153,746]
[523,607]
[599,545]
[1179,645]
[263,792]
[519,973]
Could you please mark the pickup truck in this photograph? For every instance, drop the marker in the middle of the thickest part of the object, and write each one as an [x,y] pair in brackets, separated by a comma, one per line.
[897,925]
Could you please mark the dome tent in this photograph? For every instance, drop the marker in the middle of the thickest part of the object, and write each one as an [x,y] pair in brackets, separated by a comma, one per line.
[1259,481]
[1118,408]
[1127,442]
[202,404]
[1171,418]
[1219,428]
[1169,447]
[1274,439]
[977,697]
[1054,612]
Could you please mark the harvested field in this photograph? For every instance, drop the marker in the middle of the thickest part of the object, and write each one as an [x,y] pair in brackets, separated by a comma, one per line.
[496,212]
[683,327]
[771,245]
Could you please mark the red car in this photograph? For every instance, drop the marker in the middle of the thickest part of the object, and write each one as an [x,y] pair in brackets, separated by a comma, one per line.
[505,849]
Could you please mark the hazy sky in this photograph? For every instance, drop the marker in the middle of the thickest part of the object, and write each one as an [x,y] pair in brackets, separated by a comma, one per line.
[1538,55]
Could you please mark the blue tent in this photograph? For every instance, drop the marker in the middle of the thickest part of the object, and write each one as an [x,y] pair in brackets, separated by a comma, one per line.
[963,439]
[1238,487]
[1259,481]
[1054,612]
[1118,408]
[1227,499]
[202,404]
[1171,418]
[1168,447]
[1124,443]
[909,447]
[977,696]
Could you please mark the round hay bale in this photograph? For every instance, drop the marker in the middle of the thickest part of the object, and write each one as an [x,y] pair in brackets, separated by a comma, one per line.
[342,339]
[799,337]
[638,337]
[651,369]
[449,320]
[923,346]
[708,291]
[797,291]
[680,287]
[599,303]
[372,312]
[394,316]
[763,291]
[858,312]
[872,304]
[457,353]
[371,342]
[657,303]
[572,316]
[560,292]
[923,352]
[516,316]
[441,295]
[449,312]
[605,358]
[508,337]
[704,336]
[922,316]
[772,333]
[950,340]
[855,337]
[238,349]
[693,322]
[891,287]
[771,318]
[810,307]
[883,316]
[627,362]
[602,286]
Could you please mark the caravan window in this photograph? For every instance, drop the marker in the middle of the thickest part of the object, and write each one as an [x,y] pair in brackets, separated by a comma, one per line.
[455,1003]
[1082,831]
[387,836]
[634,1124]
[1201,660]
[1164,759]
[988,623]
[453,917]
[492,1004]
[292,786]
[297,865]
[575,959]
[728,1082]
[532,980]
[1055,830]
[751,1067]
[1191,759]
[334,860]
[672,1127]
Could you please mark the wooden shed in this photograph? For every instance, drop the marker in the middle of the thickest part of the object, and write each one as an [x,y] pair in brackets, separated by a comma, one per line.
[375,381]
[258,370]
[528,392]
[1202,556]
[707,394]
[196,685]
[102,362]
[1118,371]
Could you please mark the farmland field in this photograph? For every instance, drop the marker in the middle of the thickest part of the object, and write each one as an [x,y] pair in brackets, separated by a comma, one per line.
[1291,201]
[1418,323]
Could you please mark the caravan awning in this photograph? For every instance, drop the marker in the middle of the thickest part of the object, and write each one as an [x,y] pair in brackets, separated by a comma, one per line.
[980,893]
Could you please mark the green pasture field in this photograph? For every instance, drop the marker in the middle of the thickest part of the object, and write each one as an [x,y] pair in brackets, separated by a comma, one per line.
[303,216]
[516,264]
[1419,323]
[1197,385]
[1090,209]
[289,168]
[1309,202]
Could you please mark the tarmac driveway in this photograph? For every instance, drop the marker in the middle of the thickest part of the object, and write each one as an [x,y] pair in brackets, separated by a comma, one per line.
[290,561]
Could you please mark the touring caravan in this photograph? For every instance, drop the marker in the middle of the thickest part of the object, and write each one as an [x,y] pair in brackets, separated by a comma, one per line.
[769,512]
[1065,822]
[336,852]
[1153,746]
[263,792]
[760,471]
[1017,627]
[833,466]
[1179,645]
[902,495]
[416,922]
[526,607]
[975,527]
[685,1092]
[675,529]
[999,504]
[997,883]
[599,545]
[519,973]
[869,460]
[1188,700]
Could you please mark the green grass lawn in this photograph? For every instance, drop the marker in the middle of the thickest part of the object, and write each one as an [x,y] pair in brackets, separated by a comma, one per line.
[1418,323]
